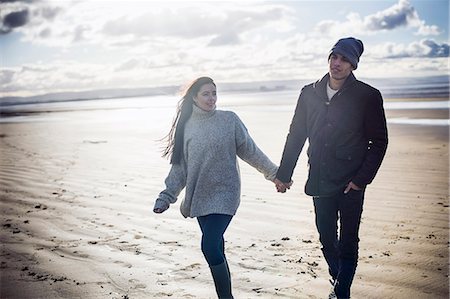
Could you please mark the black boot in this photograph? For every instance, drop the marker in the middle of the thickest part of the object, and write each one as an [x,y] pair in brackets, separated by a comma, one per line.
[347,268]
[222,280]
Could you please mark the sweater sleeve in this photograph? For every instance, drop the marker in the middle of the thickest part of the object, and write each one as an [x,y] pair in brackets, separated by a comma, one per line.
[248,151]
[295,141]
[175,183]
[377,135]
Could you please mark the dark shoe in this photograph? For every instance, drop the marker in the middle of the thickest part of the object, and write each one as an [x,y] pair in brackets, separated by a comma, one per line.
[338,292]
[332,294]
[222,280]
[347,268]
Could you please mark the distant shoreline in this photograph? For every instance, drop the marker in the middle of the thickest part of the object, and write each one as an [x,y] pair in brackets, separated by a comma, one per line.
[397,98]
[29,108]
[391,88]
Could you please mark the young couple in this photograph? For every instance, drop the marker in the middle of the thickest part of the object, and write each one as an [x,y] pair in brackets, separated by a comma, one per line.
[342,118]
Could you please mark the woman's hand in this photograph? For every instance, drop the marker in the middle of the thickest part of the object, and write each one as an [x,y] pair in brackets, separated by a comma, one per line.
[160,206]
[282,187]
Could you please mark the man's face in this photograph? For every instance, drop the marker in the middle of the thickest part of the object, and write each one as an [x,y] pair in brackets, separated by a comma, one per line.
[339,67]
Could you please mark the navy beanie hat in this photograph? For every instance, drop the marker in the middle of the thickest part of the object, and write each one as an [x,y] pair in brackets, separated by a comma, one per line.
[349,47]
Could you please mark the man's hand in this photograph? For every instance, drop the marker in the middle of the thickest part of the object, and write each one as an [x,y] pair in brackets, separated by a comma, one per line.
[351,186]
[282,187]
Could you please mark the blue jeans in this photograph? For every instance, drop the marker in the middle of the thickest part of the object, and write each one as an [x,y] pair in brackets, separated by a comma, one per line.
[213,245]
[340,252]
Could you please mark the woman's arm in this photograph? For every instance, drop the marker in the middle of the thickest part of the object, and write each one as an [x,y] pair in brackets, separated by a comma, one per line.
[248,151]
[175,182]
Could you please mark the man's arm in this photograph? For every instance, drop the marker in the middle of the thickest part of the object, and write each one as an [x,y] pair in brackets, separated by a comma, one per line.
[294,143]
[376,132]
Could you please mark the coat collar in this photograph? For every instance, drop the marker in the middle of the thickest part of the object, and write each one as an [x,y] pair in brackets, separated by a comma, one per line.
[320,86]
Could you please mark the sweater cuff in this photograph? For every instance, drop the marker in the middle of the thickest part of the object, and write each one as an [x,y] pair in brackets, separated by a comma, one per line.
[272,175]
[161,204]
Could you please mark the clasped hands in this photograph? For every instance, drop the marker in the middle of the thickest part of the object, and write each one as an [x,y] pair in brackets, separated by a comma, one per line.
[282,187]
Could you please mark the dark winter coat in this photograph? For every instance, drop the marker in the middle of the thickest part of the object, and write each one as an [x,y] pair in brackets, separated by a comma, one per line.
[347,136]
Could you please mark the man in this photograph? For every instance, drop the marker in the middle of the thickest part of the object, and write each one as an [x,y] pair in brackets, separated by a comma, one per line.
[344,122]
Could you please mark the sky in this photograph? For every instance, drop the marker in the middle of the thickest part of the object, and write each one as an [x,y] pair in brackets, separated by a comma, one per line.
[65,45]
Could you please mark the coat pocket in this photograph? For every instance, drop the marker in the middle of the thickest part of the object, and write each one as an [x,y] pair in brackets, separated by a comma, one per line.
[347,162]
[352,154]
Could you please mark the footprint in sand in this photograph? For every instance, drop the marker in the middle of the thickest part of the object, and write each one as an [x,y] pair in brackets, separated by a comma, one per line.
[124,264]
[137,284]
[187,272]
[194,266]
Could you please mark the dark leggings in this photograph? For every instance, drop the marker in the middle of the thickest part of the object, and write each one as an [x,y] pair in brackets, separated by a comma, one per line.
[213,245]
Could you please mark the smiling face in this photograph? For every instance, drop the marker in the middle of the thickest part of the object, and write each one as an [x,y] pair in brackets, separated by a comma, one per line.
[206,97]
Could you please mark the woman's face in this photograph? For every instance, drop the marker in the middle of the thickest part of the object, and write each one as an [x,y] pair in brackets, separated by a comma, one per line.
[206,97]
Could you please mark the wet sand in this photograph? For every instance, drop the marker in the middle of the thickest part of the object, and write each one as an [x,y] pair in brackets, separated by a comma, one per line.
[77,194]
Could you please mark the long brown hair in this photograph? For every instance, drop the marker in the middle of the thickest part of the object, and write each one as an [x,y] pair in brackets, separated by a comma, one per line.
[175,138]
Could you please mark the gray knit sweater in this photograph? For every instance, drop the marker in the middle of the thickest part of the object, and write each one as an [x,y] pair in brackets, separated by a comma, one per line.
[209,168]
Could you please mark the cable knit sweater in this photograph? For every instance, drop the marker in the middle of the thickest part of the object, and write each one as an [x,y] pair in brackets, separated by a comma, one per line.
[209,168]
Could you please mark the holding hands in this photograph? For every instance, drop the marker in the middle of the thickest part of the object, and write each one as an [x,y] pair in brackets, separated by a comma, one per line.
[282,187]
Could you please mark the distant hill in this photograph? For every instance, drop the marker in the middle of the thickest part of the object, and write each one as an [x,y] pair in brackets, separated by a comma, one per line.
[264,86]
[88,95]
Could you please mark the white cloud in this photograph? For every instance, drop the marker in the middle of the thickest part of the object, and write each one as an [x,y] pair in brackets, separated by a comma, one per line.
[427,30]
[58,76]
[412,66]
[153,43]
[6,77]
[424,48]
[61,24]
[353,25]
[401,14]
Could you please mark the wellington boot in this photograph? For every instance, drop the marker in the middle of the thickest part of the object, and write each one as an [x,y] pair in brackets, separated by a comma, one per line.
[222,280]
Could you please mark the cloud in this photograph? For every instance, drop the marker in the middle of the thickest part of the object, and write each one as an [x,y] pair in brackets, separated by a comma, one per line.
[63,24]
[6,76]
[436,50]
[225,38]
[425,48]
[153,62]
[402,14]
[26,15]
[98,45]
[128,65]
[12,1]
[13,20]
[427,30]
[223,24]
[31,79]
[49,13]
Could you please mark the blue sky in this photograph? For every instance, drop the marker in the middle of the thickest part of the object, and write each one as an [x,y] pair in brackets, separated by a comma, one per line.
[55,46]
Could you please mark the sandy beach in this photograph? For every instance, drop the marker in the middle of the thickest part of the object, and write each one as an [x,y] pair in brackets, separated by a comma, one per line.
[77,192]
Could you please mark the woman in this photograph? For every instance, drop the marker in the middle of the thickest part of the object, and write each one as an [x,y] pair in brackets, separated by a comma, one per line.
[203,144]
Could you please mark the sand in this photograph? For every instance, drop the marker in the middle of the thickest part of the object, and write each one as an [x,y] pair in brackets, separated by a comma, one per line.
[77,191]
